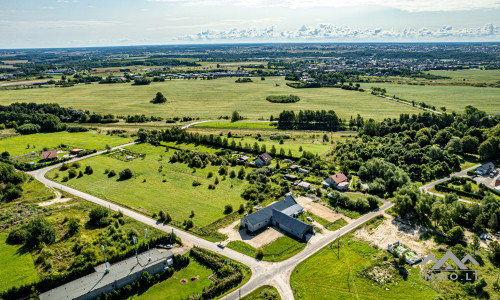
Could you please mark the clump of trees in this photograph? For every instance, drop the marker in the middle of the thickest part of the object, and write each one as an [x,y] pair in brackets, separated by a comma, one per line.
[338,199]
[10,189]
[37,231]
[159,98]
[245,79]
[99,217]
[141,81]
[283,99]
[382,176]
[309,119]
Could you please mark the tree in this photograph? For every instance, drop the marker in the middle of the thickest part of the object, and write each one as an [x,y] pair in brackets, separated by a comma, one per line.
[228,209]
[99,216]
[470,144]
[493,222]
[455,235]
[235,116]
[161,215]
[5,154]
[159,98]
[72,173]
[455,145]
[143,134]
[73,226]
[40,230]
[241,173]
[111,173]
[126,174]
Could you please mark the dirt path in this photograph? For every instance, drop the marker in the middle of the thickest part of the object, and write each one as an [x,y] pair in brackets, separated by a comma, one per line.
[320,210]
[392,230]
[57,199]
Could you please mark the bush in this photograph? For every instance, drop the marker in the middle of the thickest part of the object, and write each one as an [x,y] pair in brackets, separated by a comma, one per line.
[17,236]
[40,230]
[28,128]
[232,174]
[76,129]
[126,174]
[189,224]
[73,226]
[161,215]
[111,173]
[196,183]
[72,173]
[228,209]
[283,99]
[99,216]
[89,170]
[455,235]
[259,253]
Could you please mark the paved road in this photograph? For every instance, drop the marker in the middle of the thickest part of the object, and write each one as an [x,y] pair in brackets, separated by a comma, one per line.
[209,120]
[276,274]
[425,188]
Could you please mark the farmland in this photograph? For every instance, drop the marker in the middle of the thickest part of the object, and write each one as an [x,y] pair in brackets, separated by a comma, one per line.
[151,190]
[18,145]
[208,99]
[454,98]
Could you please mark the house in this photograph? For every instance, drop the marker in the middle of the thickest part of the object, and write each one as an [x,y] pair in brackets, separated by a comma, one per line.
[497,181]
[280,214]
[337,181]
[303,170]
[294,167]
[304,185]
[243,158]
[117,276]
[485,168]
[290,177]
[75,151]
[49,155]
[263,160]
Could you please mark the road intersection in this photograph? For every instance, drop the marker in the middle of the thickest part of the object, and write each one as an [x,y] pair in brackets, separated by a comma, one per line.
[276,274]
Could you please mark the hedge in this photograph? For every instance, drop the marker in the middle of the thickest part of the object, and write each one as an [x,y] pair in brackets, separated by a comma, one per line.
[443,188]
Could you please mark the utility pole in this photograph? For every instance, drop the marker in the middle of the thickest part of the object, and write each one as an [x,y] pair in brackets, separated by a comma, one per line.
[106,270]
[134,239]
[147,239]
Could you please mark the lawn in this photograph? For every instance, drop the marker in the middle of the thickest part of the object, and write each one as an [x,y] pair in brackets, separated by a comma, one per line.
[237,125]
[209,99]
[454,98]
[470,75]
[159,185]
[174,290]
[265,292]
[18,145]
[17,266]
[281,249]
[324,274]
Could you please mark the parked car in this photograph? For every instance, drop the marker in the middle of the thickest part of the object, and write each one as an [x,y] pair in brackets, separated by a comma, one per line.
[309,219]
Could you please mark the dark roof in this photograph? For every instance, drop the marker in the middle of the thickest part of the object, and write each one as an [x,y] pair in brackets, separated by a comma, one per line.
[49,154]
[265,157]
[290,222]
[267,212]
[339,177]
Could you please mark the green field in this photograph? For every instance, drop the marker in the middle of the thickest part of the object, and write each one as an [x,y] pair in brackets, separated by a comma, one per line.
[173,289]
[281,249]
[237,125]
[470,75]
[265,292]
[18,145]
[17,266]
[324,274]
[148,192]
[208,99]
[454,98]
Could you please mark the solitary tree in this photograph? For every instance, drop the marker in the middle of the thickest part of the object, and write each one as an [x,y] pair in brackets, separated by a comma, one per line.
[159,98]
[236,116]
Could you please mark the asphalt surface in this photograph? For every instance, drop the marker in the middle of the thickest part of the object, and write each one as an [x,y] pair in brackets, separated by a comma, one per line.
[276,274]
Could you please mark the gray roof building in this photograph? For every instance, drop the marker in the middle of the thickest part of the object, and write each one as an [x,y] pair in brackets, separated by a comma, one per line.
[119,275]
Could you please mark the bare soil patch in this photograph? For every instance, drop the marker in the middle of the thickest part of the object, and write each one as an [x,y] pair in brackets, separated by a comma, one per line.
[392,230]
[320,210]
[184,281]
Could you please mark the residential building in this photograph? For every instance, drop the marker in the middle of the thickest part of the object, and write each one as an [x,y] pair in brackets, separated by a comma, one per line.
[49,155]
[263,160]
[304,185]
[485,168]
[280,214]
[338,181]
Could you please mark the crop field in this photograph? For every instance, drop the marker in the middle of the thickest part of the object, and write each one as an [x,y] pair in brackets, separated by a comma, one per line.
[159,185]
[17,265]
[471,75]
[18,145]
[324,274]
[454,98]
[208,99]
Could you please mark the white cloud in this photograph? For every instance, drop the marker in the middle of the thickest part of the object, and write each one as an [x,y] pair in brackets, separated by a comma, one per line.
[329,32]
[406,5]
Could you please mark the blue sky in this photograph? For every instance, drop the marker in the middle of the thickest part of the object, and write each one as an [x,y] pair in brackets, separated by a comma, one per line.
[75,23]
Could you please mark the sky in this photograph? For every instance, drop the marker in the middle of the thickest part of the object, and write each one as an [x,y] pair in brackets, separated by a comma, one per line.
[89,23]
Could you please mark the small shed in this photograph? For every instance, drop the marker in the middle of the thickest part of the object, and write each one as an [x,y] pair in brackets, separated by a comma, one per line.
[304,185]
[75,151]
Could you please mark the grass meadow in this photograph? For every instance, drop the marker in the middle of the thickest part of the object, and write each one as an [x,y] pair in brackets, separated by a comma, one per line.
[173,289]
[208,99]
[325,274]
[18,145]
[152,190]
[17,265]
[281,249]
[265,292]
[454,98]
[489,76]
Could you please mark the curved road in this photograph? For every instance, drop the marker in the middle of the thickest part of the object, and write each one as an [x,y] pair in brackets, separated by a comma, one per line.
[276,274]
